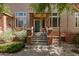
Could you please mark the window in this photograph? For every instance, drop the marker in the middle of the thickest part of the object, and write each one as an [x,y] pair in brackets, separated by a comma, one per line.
[77,19]
[20,19]
[54,20]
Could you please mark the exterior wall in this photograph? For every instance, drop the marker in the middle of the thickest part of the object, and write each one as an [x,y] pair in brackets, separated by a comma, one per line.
[63,22]
[20,7]
[70,26]
[67,25]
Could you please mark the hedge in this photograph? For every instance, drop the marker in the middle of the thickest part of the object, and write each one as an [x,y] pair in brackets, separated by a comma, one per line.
[11,47]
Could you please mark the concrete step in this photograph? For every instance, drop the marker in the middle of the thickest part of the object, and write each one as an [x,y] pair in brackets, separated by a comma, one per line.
[39,43]
[39,37]
[36,45]
[39,40]
[36,38]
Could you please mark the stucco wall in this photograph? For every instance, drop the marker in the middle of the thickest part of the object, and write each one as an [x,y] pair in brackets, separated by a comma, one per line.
[72,23]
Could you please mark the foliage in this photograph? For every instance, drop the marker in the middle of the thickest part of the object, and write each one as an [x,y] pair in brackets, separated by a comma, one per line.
[76,40]
[4,8]
[21,35]
[64,6]
[11,47]
[6,35]
[40,7]
[10,35]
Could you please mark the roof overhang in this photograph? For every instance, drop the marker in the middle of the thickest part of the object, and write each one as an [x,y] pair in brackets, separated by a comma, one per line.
[7,14]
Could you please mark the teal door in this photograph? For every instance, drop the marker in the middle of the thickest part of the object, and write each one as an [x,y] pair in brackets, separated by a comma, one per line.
[37,26]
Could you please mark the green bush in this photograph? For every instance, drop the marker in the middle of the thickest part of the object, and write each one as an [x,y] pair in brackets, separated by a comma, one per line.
[11,47]
[9,33]
[21,35]
[6,35]
[76,40]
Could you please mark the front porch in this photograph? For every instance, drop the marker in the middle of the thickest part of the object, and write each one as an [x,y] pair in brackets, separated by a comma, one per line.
[40,23]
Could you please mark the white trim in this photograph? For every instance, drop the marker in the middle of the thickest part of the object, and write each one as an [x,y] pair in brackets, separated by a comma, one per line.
[52,22]
[51,17]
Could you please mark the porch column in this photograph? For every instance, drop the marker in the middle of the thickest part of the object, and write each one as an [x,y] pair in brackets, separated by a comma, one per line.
[4,23]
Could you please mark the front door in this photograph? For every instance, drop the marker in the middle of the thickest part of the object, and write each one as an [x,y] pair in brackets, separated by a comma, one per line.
[37,26]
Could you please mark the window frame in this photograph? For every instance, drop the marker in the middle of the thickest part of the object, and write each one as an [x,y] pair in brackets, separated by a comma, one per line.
[51,20]
[17,16]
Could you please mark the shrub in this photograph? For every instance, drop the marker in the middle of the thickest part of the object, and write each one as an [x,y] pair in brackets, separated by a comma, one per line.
[11,47]
[6,35]
[21,35]
[10,35]
[76,40]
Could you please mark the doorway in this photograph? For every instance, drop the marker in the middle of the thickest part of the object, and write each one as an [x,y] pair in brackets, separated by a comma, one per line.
[37,26]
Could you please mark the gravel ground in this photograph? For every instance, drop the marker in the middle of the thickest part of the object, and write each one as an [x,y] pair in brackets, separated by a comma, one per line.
[67,50]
